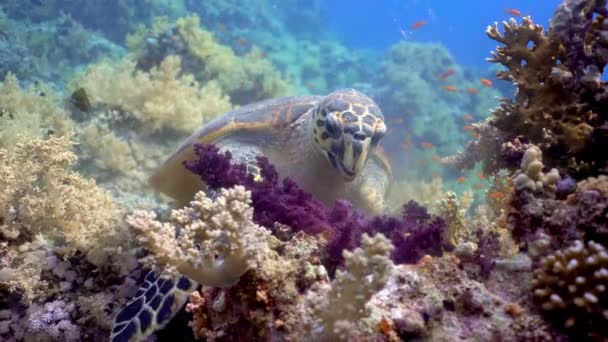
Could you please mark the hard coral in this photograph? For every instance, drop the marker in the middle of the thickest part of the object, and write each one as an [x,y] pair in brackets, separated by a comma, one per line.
[284,202]
[263,305]
[560,98]
[213,242]
[338,311]
[571,286]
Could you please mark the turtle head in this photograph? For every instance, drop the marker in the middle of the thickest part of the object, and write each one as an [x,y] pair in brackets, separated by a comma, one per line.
[346,127]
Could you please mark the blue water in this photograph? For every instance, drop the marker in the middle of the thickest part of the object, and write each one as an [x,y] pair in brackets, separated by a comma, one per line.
[459,25]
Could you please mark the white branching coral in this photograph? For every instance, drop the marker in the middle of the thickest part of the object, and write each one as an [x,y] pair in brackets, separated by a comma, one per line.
[213,242]
[338,311]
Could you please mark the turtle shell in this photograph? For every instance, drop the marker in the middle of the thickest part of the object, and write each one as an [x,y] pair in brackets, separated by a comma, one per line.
[268,116]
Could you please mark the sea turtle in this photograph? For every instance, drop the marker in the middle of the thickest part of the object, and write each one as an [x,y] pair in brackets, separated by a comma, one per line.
[327,144]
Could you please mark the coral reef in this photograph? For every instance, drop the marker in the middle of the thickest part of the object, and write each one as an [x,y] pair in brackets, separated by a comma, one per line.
[49,50]
[245,79]
[515,250]
[62,241]
[213,242]
[275,201]
[160,99]
[559,98]
[338,310]
[571,285]
[33,111]
[40,194]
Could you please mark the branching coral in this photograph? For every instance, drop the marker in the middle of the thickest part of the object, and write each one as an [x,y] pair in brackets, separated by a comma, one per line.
[213,242]
[284,202]
[158,100]
[559,100]
[337,312]
[571,285]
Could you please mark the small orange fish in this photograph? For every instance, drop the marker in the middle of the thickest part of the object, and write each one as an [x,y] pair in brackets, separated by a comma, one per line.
[472,90]
[513,11]
[475,134]
[479,186]
[427,145]
[436,159]
[451,88]
[461,179]
[447,73]
[385,326]
[467,117]
[435,175]
[469,128]
[481,176]
[222,28]
[497,195]
[418,24]
[242,41]
[486,82]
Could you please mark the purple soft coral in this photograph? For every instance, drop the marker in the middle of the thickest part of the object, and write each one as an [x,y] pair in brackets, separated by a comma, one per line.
[53,322]
[414,235]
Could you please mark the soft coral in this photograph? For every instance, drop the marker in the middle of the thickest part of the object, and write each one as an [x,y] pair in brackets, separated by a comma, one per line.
[414,234]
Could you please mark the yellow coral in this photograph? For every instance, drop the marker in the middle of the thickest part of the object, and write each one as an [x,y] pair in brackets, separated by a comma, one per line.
[39,194]
[159,99]
[33,111]
[245,78]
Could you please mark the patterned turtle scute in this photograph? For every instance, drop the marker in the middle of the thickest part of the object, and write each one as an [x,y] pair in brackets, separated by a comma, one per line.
[151,308]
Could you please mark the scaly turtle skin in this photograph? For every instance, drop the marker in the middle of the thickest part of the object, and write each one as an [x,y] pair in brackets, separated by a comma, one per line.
[327,145]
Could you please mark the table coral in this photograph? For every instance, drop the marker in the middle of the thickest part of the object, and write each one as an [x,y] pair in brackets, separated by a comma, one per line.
[213,242]
[570,284]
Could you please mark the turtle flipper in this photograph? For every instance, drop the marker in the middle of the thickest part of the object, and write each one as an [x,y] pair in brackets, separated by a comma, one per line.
[156,302]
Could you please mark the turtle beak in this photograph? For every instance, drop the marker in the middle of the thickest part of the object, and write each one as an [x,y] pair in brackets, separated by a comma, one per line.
[350,155]
[356,151]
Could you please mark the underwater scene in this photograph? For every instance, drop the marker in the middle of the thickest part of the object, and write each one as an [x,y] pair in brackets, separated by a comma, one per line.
[303,170]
